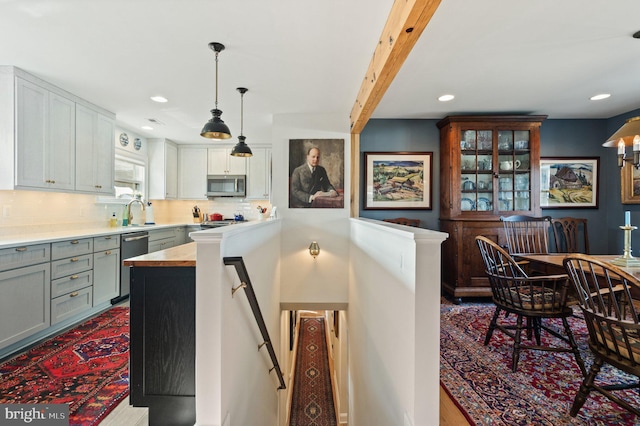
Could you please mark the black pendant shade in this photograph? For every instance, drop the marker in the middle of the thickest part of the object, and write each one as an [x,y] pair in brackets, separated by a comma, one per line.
[241,149]
[215,127]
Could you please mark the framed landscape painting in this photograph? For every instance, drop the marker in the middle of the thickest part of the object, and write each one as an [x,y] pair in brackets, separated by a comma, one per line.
[569,182]
[630,178]
[398,180]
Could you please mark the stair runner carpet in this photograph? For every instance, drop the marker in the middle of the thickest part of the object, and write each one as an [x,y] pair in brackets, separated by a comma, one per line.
[312,402]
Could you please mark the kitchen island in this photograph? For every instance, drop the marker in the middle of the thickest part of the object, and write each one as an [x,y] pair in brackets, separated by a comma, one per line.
[162,330]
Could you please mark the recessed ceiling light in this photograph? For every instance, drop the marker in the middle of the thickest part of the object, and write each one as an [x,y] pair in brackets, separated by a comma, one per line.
[600,96]
[445,98]
[160,99]
[147,127]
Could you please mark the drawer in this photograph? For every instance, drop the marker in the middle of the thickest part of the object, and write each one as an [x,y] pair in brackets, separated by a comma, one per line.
[71,248]
[17,257]
[162,234]
[71,283]
[71,304]
[73,265]
[108,242]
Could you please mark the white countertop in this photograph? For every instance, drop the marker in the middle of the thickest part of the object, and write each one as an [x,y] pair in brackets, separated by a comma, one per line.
[53,236]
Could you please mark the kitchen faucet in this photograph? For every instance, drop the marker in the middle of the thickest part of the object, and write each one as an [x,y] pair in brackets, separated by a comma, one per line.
[129,215]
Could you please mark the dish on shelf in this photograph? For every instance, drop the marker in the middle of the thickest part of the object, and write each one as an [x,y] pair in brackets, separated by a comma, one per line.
[466,204]
[484,204]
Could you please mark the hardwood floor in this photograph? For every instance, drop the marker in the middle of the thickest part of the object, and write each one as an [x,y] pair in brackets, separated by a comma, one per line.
[450,414]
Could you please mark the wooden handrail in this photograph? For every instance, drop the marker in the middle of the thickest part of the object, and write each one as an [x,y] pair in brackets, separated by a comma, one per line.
[238,263]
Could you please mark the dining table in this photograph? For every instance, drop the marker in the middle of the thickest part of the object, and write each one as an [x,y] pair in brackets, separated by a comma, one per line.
[551,263]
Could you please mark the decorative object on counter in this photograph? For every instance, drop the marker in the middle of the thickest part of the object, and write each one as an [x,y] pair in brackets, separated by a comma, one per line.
[627,135]
[197,217]
[215,127]
[274,213]
[239,217]
[314,249]
[241,149]
[627,260]
[216,216]
[149,219]
[261,212]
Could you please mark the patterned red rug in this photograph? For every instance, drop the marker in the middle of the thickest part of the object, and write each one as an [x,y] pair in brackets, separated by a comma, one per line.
[541,392]
[312,402]
[86,367]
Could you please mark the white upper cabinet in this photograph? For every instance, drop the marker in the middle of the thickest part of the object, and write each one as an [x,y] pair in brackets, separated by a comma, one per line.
[94,151]
[45,138]
[192,173]
[163,169]
[220,162]
[259,174]
[38,138]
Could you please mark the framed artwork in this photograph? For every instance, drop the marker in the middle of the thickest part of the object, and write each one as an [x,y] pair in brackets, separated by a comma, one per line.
[569,182]
[630,179]
[398,180]
[316,173]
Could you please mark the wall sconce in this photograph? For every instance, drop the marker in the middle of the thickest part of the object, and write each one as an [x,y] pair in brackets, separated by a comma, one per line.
[627,135]
[314,249]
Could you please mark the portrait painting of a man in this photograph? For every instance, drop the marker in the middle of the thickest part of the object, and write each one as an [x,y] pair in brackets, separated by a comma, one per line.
[316,173]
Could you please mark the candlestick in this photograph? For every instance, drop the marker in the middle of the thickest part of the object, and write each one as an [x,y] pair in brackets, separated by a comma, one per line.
[627,218]
[627,260]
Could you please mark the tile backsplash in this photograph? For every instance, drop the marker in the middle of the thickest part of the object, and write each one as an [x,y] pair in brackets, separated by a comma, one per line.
[41,211]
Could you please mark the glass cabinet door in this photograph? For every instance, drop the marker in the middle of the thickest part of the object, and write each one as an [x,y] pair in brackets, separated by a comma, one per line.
[479,149]
[476,170]
[514,170]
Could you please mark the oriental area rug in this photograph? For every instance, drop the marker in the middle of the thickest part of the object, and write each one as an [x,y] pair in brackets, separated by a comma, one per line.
[479,378]
[312,401]
[86,367]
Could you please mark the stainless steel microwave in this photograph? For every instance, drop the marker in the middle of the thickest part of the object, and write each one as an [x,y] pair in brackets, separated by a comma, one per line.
[226,185]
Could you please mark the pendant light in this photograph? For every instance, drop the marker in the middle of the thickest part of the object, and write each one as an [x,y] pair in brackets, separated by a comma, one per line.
[215,127]
[241,149]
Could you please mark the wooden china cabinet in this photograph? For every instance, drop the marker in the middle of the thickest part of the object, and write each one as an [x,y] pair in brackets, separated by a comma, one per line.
[489,167]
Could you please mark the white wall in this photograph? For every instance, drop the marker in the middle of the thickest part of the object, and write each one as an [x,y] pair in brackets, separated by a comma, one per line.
[232,375]
[303,279]
[393,316]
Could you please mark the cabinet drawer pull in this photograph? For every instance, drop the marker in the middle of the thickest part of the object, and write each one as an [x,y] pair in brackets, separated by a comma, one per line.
[108,252]
[74,294]
[107,238]
[74,259]
[21,249]
[75,242]
[73,277]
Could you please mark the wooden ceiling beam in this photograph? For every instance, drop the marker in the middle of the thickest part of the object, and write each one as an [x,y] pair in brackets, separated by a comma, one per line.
[407,20]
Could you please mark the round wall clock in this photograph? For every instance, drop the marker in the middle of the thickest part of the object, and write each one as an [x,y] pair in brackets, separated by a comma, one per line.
[137,144]
[124,139]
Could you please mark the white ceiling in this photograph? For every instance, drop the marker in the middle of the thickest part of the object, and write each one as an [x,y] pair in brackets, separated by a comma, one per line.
[299,56]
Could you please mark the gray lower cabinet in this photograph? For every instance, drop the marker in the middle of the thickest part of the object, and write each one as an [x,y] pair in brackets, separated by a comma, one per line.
[163,239]
[106,269]
[71,278]
[25,292]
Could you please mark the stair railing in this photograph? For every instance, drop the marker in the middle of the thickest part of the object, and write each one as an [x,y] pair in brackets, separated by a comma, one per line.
[245,283]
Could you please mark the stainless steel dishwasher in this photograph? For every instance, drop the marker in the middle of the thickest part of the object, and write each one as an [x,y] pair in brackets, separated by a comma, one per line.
[132,244]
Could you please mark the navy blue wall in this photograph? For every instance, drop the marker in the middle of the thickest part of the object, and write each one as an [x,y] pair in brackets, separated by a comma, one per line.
[558,138]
